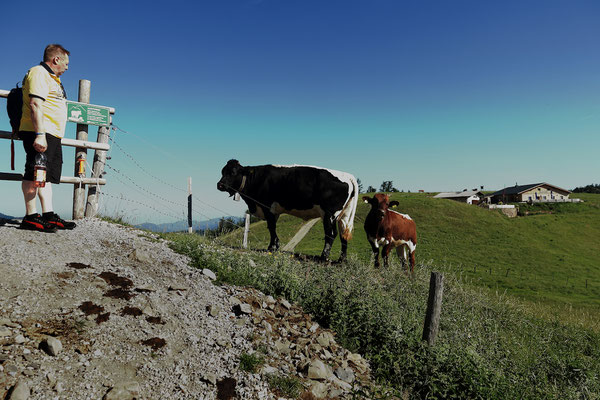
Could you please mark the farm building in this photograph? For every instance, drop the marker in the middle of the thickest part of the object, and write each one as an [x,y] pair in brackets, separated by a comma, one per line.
[466,196]
[533,193]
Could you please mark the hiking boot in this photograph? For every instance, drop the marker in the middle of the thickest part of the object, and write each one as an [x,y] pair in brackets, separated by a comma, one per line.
[35,222]
[57,221]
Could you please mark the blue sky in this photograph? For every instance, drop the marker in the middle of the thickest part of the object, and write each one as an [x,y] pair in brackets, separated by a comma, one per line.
[433,95]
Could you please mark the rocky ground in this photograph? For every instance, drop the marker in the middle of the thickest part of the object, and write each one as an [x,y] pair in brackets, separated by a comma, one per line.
[110,312]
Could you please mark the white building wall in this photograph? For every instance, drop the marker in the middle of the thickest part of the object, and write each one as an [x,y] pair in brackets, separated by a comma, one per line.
[542,194]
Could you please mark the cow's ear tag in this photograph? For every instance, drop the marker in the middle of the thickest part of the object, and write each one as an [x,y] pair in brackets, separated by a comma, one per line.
[236,197]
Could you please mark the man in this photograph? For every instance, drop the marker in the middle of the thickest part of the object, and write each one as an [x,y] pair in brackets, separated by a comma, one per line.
[42,127]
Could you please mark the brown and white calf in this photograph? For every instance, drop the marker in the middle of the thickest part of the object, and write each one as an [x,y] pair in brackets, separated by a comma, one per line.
[390,229]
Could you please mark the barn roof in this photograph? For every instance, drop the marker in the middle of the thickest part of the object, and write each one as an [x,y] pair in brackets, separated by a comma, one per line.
[518,189]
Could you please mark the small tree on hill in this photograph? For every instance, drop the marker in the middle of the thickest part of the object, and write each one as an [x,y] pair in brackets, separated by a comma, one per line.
[387,186]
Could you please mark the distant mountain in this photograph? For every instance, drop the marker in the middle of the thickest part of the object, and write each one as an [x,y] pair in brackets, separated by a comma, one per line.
[180,226]
[4,216]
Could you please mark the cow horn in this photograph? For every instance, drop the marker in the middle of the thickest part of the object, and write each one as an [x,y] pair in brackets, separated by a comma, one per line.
[243,184]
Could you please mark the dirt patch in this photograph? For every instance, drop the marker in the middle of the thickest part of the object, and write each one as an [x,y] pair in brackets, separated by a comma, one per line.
[65,275]
[78,265]
[133,311]
[226,389]
[69,329]
[156,343]
[155,320]
[115,280]
[89,308]
[102,318]
[121,294]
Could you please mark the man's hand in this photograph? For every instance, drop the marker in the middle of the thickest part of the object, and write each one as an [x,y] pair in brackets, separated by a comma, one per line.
[40,144]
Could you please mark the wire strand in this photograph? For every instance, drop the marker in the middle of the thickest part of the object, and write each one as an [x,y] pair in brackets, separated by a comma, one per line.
[144,170]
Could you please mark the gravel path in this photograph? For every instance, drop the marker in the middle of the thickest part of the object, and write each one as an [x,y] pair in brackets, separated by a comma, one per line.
[133,320]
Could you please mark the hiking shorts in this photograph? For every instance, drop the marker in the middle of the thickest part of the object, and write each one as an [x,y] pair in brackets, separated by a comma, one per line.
[53,153]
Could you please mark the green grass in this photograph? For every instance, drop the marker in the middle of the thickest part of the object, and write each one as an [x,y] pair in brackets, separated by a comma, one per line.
[251,362]
[550,258]
[119,220]
[490,345]
[287,386]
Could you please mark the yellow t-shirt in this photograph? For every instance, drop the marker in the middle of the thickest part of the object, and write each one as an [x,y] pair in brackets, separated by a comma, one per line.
[39,82]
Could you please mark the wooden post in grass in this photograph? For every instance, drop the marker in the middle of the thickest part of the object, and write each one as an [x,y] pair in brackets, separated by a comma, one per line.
[434,308]
[246,230]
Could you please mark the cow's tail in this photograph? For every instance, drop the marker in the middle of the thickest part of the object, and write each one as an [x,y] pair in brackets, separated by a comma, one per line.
[346,217]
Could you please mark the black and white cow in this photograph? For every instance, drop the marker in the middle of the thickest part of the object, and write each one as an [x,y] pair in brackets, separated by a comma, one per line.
[303,191]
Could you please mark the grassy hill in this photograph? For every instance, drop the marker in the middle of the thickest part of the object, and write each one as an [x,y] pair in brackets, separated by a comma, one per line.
[549,256]
[490,345]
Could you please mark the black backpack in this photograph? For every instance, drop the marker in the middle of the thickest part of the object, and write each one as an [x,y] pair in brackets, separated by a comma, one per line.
[14,108]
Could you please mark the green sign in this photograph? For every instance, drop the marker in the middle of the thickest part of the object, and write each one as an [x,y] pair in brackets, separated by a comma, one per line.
[88,114]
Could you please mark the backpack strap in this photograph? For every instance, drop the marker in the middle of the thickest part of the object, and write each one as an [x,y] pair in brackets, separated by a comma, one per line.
[14,135]
[12,154]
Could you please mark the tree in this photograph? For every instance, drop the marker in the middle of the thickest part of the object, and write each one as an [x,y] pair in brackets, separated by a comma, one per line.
[225,225]
[371,189]
[360,186]
[593,188]
[386,186]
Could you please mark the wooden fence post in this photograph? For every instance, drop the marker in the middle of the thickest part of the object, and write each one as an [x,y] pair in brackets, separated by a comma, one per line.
[246,230]
[91,207]
[81,153]
[434,308]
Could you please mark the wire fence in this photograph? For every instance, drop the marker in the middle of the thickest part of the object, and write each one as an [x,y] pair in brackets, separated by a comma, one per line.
[175,209]
[164,206]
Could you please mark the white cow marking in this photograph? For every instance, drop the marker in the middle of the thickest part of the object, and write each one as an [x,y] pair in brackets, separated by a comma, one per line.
[404,215]
[411,246]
